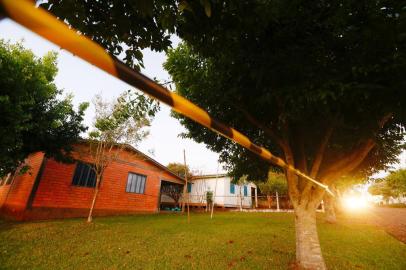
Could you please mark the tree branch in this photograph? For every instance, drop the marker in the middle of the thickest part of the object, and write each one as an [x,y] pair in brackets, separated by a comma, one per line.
[320,152]
[291,177]
[350,163]
[301,161]
[251,119]
[317,161]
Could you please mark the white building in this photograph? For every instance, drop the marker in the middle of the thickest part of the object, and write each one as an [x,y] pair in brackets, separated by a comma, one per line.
[378,199]
[225,193]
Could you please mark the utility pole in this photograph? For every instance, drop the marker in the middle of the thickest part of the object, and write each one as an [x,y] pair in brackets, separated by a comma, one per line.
[184,197]
[185,188]
[277,201]
[256,197]
[215,191]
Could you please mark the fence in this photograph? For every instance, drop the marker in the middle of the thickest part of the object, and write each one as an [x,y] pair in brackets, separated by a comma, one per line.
[276,201]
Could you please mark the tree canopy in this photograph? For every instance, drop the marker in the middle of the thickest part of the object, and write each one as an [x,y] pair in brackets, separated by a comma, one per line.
[126,27]
[123,121]
[318,84]
[179,169]
[394,185]
[276,182]
[122,27]
[33,115]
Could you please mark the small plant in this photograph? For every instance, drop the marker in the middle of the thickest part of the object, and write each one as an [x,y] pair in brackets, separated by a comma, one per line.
[209,196]
[209,199]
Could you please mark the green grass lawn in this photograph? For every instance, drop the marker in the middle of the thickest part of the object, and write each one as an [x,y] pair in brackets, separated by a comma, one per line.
[230,240]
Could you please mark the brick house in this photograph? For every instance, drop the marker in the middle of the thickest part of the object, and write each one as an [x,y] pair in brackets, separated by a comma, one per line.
[131,184]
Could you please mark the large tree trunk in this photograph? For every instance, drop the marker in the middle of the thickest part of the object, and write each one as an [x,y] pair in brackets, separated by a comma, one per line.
[96,192]
[308,251]
[329,209]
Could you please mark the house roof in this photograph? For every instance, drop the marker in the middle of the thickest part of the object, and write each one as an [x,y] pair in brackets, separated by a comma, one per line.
[156,163]
[153,161]
[208,176]
[213,176]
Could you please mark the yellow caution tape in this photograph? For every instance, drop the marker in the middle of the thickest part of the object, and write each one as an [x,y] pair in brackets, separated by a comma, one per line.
[46,25]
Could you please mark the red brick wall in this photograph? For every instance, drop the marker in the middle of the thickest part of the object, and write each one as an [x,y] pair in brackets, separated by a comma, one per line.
[3,193]
[56,191]
[16,195]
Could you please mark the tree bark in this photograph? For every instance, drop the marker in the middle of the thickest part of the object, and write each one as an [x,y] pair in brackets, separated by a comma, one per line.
[329,208]
[96,192]
[308,251]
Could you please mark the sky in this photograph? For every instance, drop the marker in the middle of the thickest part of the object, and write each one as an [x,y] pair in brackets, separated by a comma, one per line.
[85,81]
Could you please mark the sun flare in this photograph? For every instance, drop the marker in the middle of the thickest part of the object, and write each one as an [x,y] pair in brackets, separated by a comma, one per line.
[355,202]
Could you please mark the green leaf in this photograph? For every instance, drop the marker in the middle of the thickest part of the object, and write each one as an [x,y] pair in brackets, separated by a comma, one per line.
[207,7]
[184,5]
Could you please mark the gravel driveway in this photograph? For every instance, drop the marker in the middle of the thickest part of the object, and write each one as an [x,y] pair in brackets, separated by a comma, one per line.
[392,219]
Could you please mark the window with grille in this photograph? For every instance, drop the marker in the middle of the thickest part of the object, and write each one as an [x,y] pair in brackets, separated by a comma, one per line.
[84,175]
[136,183]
